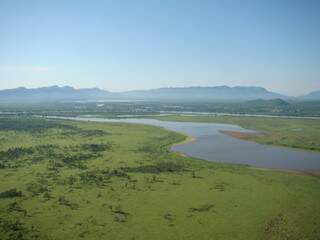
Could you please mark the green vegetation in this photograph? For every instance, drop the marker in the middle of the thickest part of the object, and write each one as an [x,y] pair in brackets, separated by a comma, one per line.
[84,180]
[112,109]
[287,132]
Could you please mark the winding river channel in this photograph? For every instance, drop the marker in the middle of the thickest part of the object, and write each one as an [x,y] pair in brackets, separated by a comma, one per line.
[212,145]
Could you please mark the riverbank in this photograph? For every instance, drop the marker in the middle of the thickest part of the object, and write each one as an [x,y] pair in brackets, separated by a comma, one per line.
[287,132]
[212,145]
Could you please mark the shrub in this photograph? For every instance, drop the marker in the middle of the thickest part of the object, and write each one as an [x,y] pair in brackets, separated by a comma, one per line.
[158,168]
[11,193]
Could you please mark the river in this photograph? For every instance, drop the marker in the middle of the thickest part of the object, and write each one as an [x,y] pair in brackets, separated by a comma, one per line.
[212,145]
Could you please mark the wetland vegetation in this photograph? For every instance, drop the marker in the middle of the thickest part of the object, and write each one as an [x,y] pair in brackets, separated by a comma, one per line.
[159,120]
[86,180]
[276,107]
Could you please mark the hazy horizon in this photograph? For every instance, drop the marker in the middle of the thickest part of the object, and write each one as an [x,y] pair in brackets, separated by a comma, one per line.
[146,89]
[134,45]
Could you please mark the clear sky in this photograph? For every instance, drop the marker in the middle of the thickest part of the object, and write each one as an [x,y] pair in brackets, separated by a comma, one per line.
[134,44]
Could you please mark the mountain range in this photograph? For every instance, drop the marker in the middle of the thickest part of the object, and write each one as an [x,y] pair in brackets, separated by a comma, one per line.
[312,96]
[219,93]
[52,93]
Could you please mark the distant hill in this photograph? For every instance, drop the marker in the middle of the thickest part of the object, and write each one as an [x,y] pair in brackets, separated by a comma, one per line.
[53,93]
[224,93]
[312,96]
[219,93]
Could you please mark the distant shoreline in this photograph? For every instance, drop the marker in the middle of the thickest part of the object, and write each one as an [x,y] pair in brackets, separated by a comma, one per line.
[213,114]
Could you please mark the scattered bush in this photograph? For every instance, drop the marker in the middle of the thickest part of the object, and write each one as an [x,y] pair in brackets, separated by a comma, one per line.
[93,133]
[96,147]
[158,168]
[169,216]
[63,201]
[15,207]
[36,188]
[203,208]
[11,193]
[101,177]
[17,230]
[119,214]
[13,153]
[31,125]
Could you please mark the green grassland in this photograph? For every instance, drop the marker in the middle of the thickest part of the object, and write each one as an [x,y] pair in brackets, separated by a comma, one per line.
[288,132]
[85,180]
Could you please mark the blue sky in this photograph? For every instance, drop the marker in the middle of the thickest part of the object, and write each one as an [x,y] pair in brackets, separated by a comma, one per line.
[134,44]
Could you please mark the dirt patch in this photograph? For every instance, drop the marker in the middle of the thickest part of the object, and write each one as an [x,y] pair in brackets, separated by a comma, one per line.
[241,135]
[312,173]
[188,139]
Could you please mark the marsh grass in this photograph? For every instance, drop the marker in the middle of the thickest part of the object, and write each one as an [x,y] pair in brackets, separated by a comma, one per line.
[121,182]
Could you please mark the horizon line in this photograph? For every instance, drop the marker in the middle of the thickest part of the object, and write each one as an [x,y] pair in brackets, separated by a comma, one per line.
[149,89]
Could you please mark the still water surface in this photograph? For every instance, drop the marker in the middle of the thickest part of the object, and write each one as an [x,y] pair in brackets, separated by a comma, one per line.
[212,145]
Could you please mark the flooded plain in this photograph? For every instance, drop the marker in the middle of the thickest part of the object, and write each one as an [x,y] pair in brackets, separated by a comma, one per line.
[212,145]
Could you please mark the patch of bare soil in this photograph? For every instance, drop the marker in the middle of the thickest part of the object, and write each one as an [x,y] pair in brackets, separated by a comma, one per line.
[241,135]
